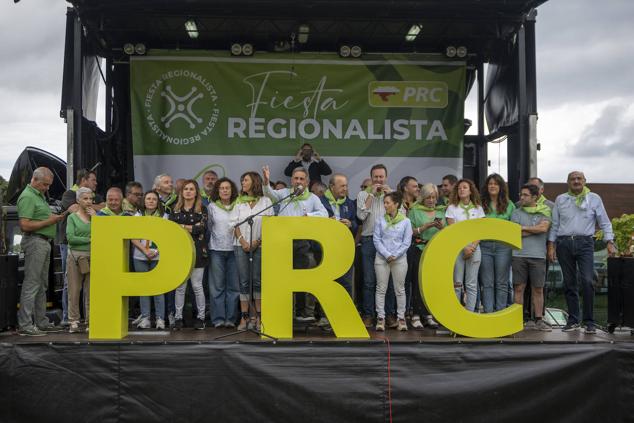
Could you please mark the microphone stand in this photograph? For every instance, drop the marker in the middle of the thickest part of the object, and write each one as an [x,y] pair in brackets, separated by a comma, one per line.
[249,221]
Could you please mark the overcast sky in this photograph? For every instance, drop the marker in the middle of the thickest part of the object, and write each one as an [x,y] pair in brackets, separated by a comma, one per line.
[584,77]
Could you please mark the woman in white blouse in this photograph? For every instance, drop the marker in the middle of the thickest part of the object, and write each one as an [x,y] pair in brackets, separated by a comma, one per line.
[464,204]
[223,273]
[250,201]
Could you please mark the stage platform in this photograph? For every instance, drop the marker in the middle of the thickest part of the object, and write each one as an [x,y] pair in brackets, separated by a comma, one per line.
[187,376]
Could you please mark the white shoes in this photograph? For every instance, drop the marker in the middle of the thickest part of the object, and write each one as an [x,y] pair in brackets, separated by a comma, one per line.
[160,324]
[144,323]
[416,323]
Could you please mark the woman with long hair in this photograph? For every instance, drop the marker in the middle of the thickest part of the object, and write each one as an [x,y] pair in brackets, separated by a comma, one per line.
[78,235]
[223,273]
[392,237]
[246,243]
[190,214]
[496,256]
[464,204]
[145,257]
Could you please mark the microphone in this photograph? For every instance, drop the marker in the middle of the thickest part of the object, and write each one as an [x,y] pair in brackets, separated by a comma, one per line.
[298,190]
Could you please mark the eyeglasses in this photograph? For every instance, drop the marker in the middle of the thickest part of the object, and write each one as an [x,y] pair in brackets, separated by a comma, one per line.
[137,194]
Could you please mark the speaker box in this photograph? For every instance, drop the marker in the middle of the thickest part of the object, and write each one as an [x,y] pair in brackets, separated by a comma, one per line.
[8,291]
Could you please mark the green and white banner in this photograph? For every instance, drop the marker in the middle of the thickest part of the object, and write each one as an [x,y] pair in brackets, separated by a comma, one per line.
[211,110]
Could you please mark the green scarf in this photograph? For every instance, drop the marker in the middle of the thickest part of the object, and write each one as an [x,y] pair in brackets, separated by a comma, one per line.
[301,197]
[109,212]
[539,208]
[391,221]
[332,200]
[170,200]
[542,199]
[225,208]
[369,191]
[128,207]
[467,208]
[155,213]
[419,206]
[579,197]
[244,198]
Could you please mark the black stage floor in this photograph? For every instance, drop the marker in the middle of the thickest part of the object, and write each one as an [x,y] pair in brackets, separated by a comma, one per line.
[187,376]
[315,334]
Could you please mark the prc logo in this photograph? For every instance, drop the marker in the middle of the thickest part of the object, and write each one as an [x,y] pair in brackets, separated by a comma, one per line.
[181,107]
[408,94]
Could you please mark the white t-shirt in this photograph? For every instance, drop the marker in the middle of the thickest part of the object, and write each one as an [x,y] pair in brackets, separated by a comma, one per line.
[242,211]
[138,254]
[458,214]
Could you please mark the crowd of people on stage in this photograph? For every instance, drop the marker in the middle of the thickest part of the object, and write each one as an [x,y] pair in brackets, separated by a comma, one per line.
[391,225]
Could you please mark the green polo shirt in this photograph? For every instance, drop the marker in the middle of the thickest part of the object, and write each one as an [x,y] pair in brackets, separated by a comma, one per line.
[32,205]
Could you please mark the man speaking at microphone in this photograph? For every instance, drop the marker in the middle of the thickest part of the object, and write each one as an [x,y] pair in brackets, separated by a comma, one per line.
[298,201]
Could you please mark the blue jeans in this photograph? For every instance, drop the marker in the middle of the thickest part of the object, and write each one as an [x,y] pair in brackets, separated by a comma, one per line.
[223,286]
[63,250]
[572,254]
[159,300]
[368,255]
[465,277]
[495,266]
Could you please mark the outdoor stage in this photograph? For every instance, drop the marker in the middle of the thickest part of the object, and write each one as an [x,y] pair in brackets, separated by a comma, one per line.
[187,376]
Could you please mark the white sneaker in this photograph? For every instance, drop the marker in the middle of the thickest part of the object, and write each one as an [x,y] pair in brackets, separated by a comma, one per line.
[430,322]
[160,323]
[144,323]
[402,325]
[416,323]
[137,320]
[380,325]
[74,327]
[323,322]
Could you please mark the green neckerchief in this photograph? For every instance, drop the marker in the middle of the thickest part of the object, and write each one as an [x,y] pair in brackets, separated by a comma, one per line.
[297,198]
[391,221]
[539,208]
[127,206]
[369,191]
[579,197]
[244,198]
[332,200]
[467,208]
[75,187]
[419,206]
[170,200]
[204,195]
[225,208]
[109,212]
[155,213]
[542,199]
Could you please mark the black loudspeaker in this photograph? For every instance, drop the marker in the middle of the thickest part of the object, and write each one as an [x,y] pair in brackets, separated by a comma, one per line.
[8,291]
[620,292]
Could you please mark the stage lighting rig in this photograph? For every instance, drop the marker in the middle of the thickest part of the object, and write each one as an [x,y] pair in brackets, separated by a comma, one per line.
[191,28]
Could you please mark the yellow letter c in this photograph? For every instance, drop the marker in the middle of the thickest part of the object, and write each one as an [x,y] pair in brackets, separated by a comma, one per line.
[435,279]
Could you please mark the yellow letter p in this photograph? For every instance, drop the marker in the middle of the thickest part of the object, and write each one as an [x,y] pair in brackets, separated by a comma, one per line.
[111,281]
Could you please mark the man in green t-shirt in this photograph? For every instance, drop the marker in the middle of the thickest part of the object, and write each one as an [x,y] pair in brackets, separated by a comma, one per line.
[39,227]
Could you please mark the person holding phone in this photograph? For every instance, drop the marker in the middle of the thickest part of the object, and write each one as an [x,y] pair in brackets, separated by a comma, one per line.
[311,161]
[427,219]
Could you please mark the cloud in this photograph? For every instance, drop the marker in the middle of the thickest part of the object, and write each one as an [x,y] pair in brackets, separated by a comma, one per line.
[584,51]
[609,135]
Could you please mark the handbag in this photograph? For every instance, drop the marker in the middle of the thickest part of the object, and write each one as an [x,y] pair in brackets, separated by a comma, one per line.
[82,262]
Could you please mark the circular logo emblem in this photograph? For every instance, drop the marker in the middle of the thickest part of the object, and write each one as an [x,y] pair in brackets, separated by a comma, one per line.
[181,107]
